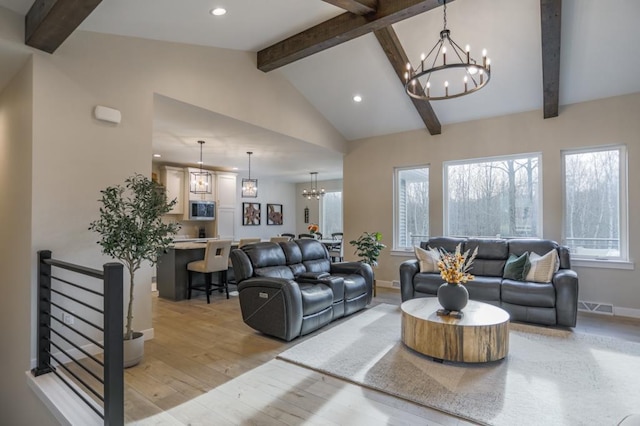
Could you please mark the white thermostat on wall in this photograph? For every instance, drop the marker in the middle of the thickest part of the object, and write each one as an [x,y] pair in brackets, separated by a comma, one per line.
[107,114]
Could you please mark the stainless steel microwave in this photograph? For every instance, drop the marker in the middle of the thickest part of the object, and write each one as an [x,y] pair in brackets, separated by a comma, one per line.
[202,210]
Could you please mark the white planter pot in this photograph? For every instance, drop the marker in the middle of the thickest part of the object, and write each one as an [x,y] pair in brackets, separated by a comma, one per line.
[133,350]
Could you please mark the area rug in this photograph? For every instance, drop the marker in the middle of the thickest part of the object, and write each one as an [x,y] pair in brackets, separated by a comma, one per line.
[550,376]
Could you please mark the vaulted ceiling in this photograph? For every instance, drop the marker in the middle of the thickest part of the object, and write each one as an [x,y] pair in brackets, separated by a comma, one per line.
[545,53]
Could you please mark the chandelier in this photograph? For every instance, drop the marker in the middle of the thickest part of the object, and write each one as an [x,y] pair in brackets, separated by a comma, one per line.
[447,71]
[249,186]
[200,180]
[313,192]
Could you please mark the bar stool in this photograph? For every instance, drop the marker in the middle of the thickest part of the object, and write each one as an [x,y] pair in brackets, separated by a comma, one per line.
[245,241]
[216,259]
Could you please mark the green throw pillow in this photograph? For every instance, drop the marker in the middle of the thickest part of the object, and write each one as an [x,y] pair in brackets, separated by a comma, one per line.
[516,267]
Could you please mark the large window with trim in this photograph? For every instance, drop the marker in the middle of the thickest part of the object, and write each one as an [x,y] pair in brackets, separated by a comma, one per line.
[595,202]
[331,213]
[493,197]
[411,202]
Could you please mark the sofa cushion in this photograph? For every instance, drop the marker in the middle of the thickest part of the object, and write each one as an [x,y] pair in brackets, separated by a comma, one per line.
[427,283]
[543,267]
[516,267]
[281,271]
[265,254]
[446,243]
[427,259]
[526,293]
[315,298]
[484,288]
[291,252]
[354,286]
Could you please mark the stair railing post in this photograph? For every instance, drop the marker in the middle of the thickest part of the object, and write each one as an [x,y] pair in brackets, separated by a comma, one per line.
[44,314]
[113,344]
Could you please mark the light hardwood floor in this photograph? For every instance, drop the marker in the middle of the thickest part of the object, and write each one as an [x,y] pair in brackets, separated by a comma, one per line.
[193,372]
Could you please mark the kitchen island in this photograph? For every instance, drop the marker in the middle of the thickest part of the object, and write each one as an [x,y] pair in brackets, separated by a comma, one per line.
[172,277]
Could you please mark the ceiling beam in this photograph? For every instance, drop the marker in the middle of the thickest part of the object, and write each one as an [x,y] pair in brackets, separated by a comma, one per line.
[550,18]
[358,7]
[49,22]
[388,39]
[340,29]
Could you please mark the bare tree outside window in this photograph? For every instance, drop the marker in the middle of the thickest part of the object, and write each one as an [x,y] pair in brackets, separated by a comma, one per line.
[331,213]
[593,202]
[493,197]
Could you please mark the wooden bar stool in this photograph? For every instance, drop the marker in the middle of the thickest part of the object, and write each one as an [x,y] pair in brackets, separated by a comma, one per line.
[216,259]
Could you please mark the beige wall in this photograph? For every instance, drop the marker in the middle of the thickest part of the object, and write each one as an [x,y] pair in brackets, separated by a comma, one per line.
[18,405]
[70,156]
[368,176]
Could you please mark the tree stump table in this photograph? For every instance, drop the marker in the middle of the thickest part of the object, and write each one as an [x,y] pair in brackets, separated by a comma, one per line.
[481,335]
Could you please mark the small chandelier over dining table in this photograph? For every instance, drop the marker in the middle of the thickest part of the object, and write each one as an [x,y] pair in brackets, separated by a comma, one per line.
[457,74]
[313,191]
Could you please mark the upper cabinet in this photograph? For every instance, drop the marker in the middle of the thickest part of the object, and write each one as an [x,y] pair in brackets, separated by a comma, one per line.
[226,189]
[173,180]
[202,183]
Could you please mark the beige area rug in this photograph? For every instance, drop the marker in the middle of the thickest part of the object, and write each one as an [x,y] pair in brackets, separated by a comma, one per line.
[550,377]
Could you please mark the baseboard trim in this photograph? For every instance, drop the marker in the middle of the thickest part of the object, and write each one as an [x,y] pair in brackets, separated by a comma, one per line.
[385,284]
[626,312]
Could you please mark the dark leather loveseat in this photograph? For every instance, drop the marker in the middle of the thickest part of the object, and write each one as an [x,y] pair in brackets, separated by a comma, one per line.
[552,303]
[290,289]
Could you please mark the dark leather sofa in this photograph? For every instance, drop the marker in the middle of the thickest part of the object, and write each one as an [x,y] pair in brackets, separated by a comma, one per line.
[553,303]
[290,289]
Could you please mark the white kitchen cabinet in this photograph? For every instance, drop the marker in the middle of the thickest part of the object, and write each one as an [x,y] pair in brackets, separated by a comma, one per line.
[172,179]
[226,204]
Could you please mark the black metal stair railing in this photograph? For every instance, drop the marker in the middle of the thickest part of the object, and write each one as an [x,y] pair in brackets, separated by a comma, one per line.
[62,296]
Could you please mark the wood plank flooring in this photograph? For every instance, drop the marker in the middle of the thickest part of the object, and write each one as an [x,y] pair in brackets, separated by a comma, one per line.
[206,367]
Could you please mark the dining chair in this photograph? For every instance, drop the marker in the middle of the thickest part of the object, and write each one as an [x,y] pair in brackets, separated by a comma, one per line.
[337,249]
[292,236]
[305,236]
[216,259]
[245,241]
[281,239]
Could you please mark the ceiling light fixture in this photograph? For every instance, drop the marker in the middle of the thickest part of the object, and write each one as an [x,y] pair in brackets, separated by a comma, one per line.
[459,76]
[249,186]
[357,98]
[218,11]
[200,182]
[313,192]
[157,155]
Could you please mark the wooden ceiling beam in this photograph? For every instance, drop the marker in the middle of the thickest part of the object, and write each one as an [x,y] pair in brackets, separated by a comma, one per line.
[357,7]
[550,18]
[340,29]
[390,43]
[49,22]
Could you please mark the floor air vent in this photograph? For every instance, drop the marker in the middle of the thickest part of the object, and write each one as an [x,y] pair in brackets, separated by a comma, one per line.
[595,307]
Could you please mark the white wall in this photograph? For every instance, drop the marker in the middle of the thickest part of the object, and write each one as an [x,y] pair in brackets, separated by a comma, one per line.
[18,405]
[69,156]
[368,177]
[269,192]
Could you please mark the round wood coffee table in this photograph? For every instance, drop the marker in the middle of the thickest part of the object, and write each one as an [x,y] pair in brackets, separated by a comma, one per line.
[481,335]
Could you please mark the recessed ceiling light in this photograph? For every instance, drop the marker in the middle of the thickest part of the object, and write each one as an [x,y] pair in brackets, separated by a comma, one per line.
[357,98]
[218,11]
[157,155]
[234,168]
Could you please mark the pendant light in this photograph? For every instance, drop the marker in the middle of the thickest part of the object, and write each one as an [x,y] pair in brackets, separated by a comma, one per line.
[313,192]
[249,186]
[200,182]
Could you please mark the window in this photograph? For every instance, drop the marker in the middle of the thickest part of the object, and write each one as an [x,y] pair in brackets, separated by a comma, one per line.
[492,197]
[595,203]
[331,213]
[411,212]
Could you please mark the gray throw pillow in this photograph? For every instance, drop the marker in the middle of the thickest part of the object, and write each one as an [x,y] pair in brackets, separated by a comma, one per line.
[516,267]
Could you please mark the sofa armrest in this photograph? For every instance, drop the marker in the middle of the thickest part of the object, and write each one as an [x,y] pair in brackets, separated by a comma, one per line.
[272,306]
[358,268]
[408,269]
[565,282]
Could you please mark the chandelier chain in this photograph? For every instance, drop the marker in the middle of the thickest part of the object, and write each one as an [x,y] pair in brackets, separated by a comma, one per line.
[445,14]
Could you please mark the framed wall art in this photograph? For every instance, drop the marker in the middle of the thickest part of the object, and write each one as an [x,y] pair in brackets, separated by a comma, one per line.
[250,214]
[274,214]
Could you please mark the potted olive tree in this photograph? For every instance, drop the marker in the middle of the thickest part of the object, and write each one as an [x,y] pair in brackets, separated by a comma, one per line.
[368,247]
[131,230]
